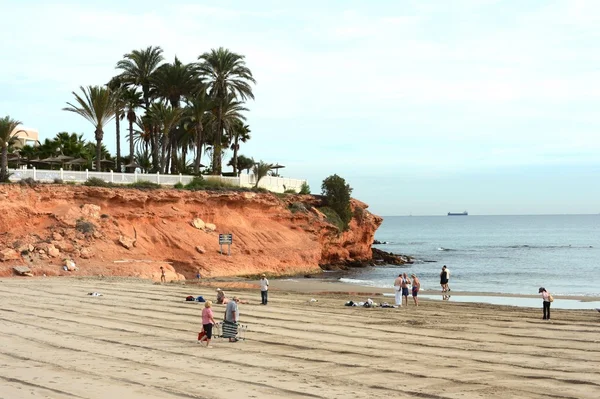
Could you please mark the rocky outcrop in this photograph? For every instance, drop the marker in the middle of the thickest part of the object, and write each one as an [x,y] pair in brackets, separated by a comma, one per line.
[129,232]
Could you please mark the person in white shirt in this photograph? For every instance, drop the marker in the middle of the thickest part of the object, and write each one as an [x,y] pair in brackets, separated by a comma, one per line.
[264,289]
[398,290]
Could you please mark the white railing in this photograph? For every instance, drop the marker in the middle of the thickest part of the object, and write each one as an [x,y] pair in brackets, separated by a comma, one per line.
[271,183]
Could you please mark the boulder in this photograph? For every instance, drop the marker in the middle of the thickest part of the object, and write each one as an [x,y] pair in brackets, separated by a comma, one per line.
[22,271]
[91,211]
[9,254]
[57,236]
[127,242]
[65,246]
[200,250]
[210,227]
[86,253]
[53,251]
[198,223]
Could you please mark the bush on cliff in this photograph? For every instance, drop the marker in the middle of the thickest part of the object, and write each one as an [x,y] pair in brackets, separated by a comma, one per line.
[333,217]
[145,185]
[97,182]
[337,197]
[304,189]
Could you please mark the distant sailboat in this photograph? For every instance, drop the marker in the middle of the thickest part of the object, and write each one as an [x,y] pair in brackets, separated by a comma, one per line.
[465,213]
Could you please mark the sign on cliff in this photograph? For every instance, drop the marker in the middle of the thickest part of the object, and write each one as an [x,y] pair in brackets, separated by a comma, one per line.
[226,239]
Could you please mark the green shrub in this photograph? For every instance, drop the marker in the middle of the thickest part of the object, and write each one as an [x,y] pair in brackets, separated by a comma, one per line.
[197,183]
[84,227]
[333,217]
[178,186]
[58,181]
[260,190]
[290,191]
[305,188]
[145,185]
[298,207]
[200,183]
[97,182]
[28,182]
[337,197]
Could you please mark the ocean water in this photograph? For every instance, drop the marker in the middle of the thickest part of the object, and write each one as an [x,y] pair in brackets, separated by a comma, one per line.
[493,254]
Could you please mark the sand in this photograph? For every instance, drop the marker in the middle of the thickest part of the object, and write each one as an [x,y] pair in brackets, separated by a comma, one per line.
[138,341]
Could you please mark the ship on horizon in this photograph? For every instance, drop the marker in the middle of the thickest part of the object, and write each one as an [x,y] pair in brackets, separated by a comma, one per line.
[465,213]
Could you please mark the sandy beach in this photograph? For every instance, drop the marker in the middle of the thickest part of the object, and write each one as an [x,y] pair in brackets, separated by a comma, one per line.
[138,340]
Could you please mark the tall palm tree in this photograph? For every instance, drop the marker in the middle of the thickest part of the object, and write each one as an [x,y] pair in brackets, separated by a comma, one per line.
[133,100]
[7,135]
[197,110]
[167,118]
[117,87]
[226,74]
[138,68]
[97,106]
[239,133]
[173,81]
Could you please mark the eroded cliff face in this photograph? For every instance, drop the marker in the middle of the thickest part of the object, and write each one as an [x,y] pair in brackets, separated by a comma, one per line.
[130,232]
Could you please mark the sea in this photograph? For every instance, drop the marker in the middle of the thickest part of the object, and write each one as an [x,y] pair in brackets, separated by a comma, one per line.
[493,254]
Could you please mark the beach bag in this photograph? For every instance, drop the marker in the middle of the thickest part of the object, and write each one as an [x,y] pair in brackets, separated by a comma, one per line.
[200,299]
[550,298]
[190,298]
[201,335]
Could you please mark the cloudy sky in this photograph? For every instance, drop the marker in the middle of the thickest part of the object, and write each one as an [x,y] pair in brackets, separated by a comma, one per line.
[424,107]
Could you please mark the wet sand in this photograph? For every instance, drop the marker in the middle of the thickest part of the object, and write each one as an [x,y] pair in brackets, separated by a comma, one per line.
[138,341]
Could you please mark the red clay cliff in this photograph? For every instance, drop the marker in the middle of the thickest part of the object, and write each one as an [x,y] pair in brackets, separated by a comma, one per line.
[131,232]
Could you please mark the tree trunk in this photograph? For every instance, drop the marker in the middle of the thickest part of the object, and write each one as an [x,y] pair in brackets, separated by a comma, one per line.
[154,144]
[174,167]
[216,167]
[131,149]
[235,152]
[118,127]
[4,163]
[163,156]
[99,136]
[199,143]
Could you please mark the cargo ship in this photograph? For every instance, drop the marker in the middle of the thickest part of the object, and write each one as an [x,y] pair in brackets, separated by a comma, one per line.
[465,213]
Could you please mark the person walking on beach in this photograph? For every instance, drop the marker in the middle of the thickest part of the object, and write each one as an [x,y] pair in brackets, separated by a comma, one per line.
[264,289]
[448,280]
[416,286]
[547,298]
[398,290]
[198,275]
[207,322]
[404,285]
[232,316]
[444,279]
[163,277]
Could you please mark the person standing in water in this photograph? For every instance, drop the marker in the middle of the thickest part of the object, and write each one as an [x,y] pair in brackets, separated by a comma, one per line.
[416,286]
[398,290]
[546,297]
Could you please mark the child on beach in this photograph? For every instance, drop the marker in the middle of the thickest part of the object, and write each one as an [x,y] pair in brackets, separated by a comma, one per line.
[207,323]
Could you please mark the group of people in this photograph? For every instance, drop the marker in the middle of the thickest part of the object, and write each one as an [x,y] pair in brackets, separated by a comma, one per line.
[403,285]
[232,314]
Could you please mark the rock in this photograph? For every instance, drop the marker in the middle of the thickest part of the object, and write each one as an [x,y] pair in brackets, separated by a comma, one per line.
[57,236]
[53,251]
[198,223]
[91,211]
[200,249]
[86,253]
[97,234]
[210,227]
[23,271]
[175,209]
[65,246]
[31,248]
[127,242]
[164,221]
[9,254]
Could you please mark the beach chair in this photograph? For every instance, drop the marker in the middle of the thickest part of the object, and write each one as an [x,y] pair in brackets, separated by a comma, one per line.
[230,330]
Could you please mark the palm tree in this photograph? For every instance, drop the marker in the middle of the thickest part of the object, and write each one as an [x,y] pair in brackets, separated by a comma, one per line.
[239,132]
[7,135]
[133,100]
[167,118]
[225,74]
[97,106]
[117,87]
[138,68]
[196,111]
[260,170]
[173,81]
